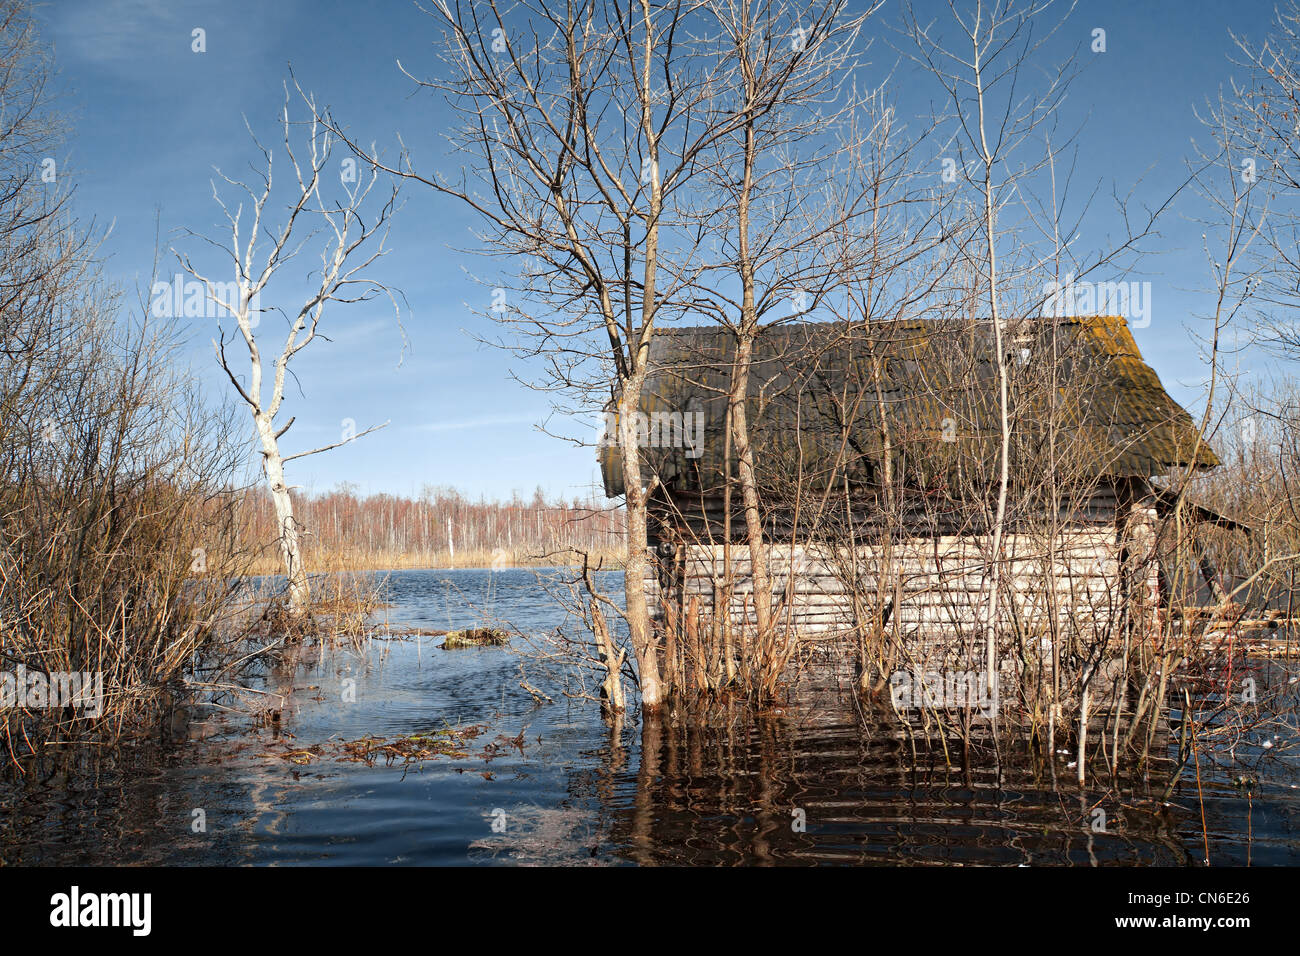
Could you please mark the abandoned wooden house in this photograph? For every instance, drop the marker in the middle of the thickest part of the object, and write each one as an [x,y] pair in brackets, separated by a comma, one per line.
[877,462]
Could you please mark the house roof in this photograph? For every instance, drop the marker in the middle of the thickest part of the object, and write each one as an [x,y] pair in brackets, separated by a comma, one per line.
[823,396]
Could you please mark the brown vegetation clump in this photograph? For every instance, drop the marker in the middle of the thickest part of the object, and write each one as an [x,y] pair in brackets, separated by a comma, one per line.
[475,637]
[407,749]
[116,527]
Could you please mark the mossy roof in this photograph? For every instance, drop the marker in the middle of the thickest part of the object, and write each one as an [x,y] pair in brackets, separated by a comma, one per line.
[818,393]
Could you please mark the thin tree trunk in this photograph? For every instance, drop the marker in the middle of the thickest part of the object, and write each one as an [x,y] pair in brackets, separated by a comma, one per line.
[640,632]
[612,686]
[765,639]
[754,537]
[286,524]
[1004,457]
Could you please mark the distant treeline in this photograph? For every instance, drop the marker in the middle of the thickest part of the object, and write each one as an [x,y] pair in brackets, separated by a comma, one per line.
[439,528]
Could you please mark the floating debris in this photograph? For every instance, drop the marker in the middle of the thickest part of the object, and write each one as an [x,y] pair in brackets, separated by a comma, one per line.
[412,748]
[475,637]
[403,631]
[408,749]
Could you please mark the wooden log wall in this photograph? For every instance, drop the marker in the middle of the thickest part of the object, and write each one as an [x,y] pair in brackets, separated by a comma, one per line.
[931,592]
[940,583]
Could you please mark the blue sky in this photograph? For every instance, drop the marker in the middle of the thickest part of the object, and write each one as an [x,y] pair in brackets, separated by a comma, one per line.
[152,118]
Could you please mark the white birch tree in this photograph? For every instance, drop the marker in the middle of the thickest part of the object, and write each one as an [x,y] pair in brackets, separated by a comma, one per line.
[349,229]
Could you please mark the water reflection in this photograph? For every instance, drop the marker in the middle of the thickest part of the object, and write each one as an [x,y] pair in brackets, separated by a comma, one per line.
[783,788]
[772,791]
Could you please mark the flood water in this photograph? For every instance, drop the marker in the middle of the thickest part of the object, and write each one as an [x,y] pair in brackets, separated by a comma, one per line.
[551,783]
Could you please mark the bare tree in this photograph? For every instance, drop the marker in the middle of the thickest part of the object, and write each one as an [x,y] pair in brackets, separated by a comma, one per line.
[1257,127]
[587,130]
[353,229]
[793,66]
[977,69]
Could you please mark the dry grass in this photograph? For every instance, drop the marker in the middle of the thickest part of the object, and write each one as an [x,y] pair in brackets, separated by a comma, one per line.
[342,608]
[353,560]
[117,537]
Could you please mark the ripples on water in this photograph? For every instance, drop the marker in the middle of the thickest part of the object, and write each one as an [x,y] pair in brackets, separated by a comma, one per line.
[781,788]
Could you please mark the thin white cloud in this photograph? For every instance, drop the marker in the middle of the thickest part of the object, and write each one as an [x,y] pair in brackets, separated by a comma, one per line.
[115,35]
[131,38]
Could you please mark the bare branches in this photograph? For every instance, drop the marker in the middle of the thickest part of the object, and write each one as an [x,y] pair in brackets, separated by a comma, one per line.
[351,229]
[588,135]
[1255,125]
[337,444]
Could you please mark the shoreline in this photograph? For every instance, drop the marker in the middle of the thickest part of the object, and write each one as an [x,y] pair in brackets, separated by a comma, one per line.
[476,562]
